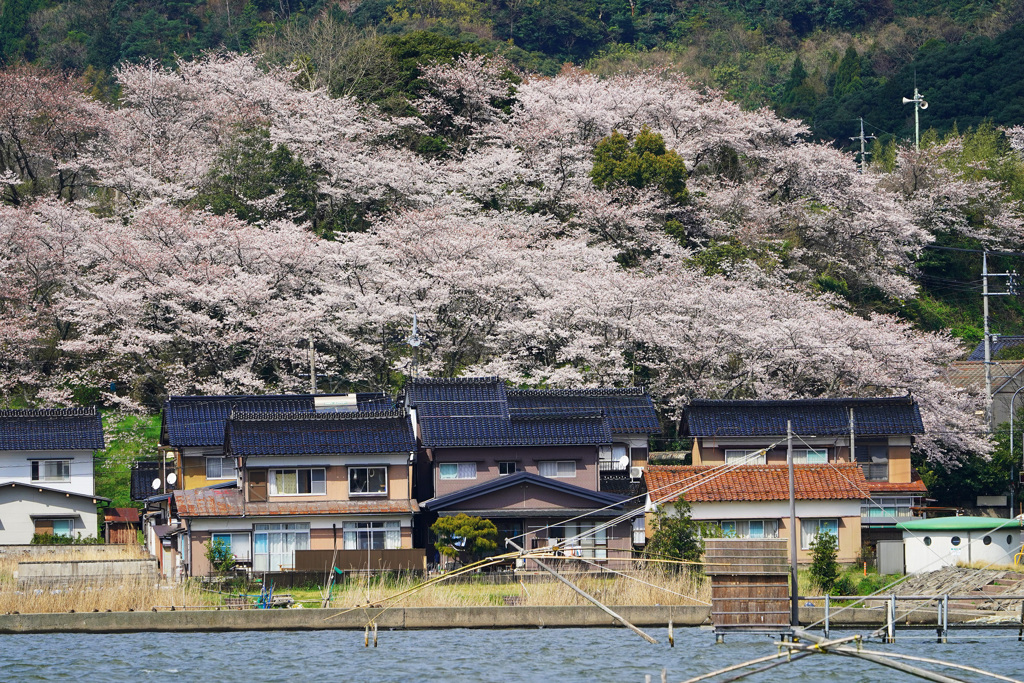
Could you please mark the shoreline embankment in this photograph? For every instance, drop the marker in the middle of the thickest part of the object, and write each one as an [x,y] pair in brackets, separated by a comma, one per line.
[310,619]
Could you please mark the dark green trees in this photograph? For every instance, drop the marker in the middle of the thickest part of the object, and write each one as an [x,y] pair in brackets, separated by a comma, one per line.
[644,163]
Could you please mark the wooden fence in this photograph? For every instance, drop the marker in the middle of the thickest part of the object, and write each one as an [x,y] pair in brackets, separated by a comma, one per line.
[408,559]
[749,583]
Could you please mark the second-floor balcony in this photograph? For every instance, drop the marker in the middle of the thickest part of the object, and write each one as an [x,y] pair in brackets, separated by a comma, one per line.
[612,466]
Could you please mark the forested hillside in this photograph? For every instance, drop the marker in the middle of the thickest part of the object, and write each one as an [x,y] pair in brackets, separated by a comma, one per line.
[856,57]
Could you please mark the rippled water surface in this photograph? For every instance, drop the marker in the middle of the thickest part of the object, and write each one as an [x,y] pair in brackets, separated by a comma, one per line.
[549,655]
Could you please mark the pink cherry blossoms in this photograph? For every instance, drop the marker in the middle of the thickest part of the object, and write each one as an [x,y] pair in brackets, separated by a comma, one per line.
[503,247]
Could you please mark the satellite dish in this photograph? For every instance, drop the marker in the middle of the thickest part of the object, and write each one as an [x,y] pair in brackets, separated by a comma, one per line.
[172,478]
[156,484]
[923,105]
[624,461]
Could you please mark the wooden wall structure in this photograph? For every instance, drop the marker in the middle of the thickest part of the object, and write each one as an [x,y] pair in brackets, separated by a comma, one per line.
[749,584]
[407,559]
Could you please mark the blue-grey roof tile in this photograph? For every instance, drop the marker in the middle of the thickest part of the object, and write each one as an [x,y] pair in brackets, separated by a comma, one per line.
[255,434]
[465,412]
[831,416]
[995,346]
[52,429]
[629,410]
[600,499]
[200,420]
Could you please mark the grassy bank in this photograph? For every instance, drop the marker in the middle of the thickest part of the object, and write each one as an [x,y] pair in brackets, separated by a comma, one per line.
[117,595]
[644,587]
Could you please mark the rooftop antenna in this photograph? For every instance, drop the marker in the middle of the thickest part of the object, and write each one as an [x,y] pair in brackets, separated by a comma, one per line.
[415,341]
[919,104]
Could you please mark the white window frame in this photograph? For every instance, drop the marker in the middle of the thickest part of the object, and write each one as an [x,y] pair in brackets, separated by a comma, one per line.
[593,546]
[236,541]
[219,462]
[801,456]
[39,469]
[273,536]
[741,528]
[391,531]
[806,537]
[272,480]
[506,463]
[353,470]
[563,469]
[735,455]
[463,470]
[71,527]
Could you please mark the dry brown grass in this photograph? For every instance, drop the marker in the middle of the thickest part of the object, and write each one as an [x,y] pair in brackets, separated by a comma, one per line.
[128,594]
[667,589]
[117,595]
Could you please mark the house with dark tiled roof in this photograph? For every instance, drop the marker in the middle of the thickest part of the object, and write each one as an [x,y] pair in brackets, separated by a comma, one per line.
[192,447]
[46,473]
[192,427]
[531,461]
[752,501]
[875,434]
[306,481]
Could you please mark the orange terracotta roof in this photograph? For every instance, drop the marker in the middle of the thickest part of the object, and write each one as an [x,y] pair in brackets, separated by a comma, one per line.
[915,485]
[708,484]
[971,373]
[228,503]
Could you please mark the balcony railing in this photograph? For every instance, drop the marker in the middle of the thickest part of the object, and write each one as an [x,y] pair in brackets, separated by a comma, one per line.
[639,537]
[874,471]
[612,466]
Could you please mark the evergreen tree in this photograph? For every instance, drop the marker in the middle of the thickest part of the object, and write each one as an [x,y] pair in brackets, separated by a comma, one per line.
[848,75]
[798,97]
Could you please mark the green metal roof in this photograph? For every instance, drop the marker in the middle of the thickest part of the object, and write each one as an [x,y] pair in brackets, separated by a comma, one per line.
[959,524]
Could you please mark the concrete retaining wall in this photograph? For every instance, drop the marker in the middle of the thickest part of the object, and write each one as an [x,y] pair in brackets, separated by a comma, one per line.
[398,618]
[94,571]
[31,552]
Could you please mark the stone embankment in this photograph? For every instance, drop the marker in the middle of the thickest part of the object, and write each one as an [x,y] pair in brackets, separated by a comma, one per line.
[984,586]
[397,618]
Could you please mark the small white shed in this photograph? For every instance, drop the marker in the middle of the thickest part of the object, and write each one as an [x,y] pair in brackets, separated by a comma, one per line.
[930,544]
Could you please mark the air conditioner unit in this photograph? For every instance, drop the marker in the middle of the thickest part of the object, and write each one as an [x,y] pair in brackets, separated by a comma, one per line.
[636,472]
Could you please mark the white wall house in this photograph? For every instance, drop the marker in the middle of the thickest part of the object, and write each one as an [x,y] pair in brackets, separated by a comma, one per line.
[46,473]
[931,544]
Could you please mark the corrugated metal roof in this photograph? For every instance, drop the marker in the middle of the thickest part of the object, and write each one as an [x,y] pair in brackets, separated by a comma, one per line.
[228,503]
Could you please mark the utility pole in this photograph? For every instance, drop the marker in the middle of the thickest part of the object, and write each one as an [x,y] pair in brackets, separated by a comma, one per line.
[1011,290]
[919,104]
[862,139]
[312,367]
[988,341]
[794,597]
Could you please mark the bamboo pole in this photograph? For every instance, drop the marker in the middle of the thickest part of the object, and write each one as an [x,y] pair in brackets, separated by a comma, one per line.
[588,596]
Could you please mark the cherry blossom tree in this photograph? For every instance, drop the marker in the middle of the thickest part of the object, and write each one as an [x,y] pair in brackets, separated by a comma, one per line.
[513,260]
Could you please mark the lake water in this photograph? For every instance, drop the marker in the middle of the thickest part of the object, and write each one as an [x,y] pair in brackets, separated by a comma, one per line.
[547,655]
